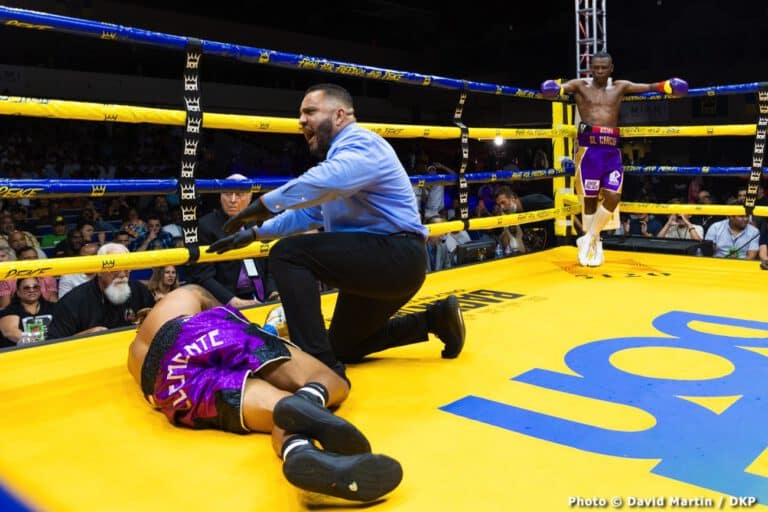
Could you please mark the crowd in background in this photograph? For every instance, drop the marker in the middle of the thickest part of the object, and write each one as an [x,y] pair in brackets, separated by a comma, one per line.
[34,228]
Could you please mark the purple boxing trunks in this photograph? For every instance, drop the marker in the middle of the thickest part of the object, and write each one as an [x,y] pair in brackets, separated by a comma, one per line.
[196,367]
[598,161]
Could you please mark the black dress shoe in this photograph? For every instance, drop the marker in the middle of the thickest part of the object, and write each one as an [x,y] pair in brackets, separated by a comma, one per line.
[445,321]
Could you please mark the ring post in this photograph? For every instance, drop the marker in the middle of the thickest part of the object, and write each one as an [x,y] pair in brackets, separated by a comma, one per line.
[561,115]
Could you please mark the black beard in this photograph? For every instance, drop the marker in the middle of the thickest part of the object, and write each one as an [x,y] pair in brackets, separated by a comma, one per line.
[322,139]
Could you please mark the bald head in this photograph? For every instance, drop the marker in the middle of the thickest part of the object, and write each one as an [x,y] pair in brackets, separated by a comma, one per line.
[233,203]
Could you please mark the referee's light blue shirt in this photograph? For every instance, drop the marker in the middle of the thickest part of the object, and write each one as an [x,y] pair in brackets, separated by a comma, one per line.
[360,187]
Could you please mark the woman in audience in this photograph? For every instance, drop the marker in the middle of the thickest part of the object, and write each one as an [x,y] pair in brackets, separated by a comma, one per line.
[28,312]
[163,281]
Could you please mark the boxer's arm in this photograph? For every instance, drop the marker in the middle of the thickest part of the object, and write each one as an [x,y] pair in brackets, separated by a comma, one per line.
[673,86]
[552,89]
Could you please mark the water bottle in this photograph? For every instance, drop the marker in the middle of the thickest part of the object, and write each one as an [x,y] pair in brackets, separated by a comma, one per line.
[27,337]
[499,251]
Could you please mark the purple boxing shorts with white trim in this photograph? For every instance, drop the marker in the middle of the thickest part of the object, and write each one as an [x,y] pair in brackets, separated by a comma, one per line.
[598,161]
[196,367]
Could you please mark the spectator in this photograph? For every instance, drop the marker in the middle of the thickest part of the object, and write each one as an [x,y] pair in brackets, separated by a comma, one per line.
[734,237]
[18,241]
[8,228]
[68,282]
[133,224]
[110,300]
[90,215]
[57,234]
[154,237]
[163,281]
[229,281]
[122,237]
[43,209]
[7,287]
[21,218]
[28,312]
[510,237]
[432,196]
[118,208]
[48,285]
[6,224]
[763,249]
[642,224]
[741,195]
[704,197]
[679,226]
[70,246]
[88,231]
[439,255]
[172,223]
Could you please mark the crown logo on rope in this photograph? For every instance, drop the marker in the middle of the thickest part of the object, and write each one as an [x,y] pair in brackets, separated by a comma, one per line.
[193,104]
[193,124]
[190,82]
[190,147]
[193,60]
[98,190]
[188,191]
[188,169]
[188,213]
[108,264]
[190,235]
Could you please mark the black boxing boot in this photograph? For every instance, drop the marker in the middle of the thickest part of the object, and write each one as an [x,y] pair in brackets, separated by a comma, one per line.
[361,477]
[297,414]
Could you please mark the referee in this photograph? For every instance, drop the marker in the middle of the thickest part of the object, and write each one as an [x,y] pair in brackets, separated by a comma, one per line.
[371,246]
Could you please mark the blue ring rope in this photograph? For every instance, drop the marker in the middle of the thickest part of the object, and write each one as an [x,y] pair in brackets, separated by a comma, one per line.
[108,188]
[23,18]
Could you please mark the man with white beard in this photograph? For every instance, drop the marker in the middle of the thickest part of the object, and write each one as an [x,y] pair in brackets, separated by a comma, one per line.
[108,301]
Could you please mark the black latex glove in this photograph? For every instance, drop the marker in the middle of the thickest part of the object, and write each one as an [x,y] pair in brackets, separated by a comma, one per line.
[236,241]
[256,212]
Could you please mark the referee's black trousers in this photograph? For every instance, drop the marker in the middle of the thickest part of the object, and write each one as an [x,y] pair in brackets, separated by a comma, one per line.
[375,275]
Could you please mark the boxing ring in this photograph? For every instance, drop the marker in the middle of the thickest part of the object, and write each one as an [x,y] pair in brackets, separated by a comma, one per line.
[653,398]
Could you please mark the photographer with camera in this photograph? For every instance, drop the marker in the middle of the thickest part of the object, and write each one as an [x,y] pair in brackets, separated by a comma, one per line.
[680,227]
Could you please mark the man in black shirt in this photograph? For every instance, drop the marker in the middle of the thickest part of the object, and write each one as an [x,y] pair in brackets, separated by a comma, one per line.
[108,301]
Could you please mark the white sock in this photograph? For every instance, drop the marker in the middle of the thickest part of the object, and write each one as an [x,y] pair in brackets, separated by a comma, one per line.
[314,391]
[292,444]
[602,216]
[586,221]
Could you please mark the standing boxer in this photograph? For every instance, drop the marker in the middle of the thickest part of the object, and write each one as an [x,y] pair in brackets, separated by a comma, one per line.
[599,172]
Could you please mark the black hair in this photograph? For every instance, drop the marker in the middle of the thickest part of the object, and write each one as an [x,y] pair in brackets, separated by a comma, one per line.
[16,298]
[505,190]
[602,54]
[334,91]
[26,248]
